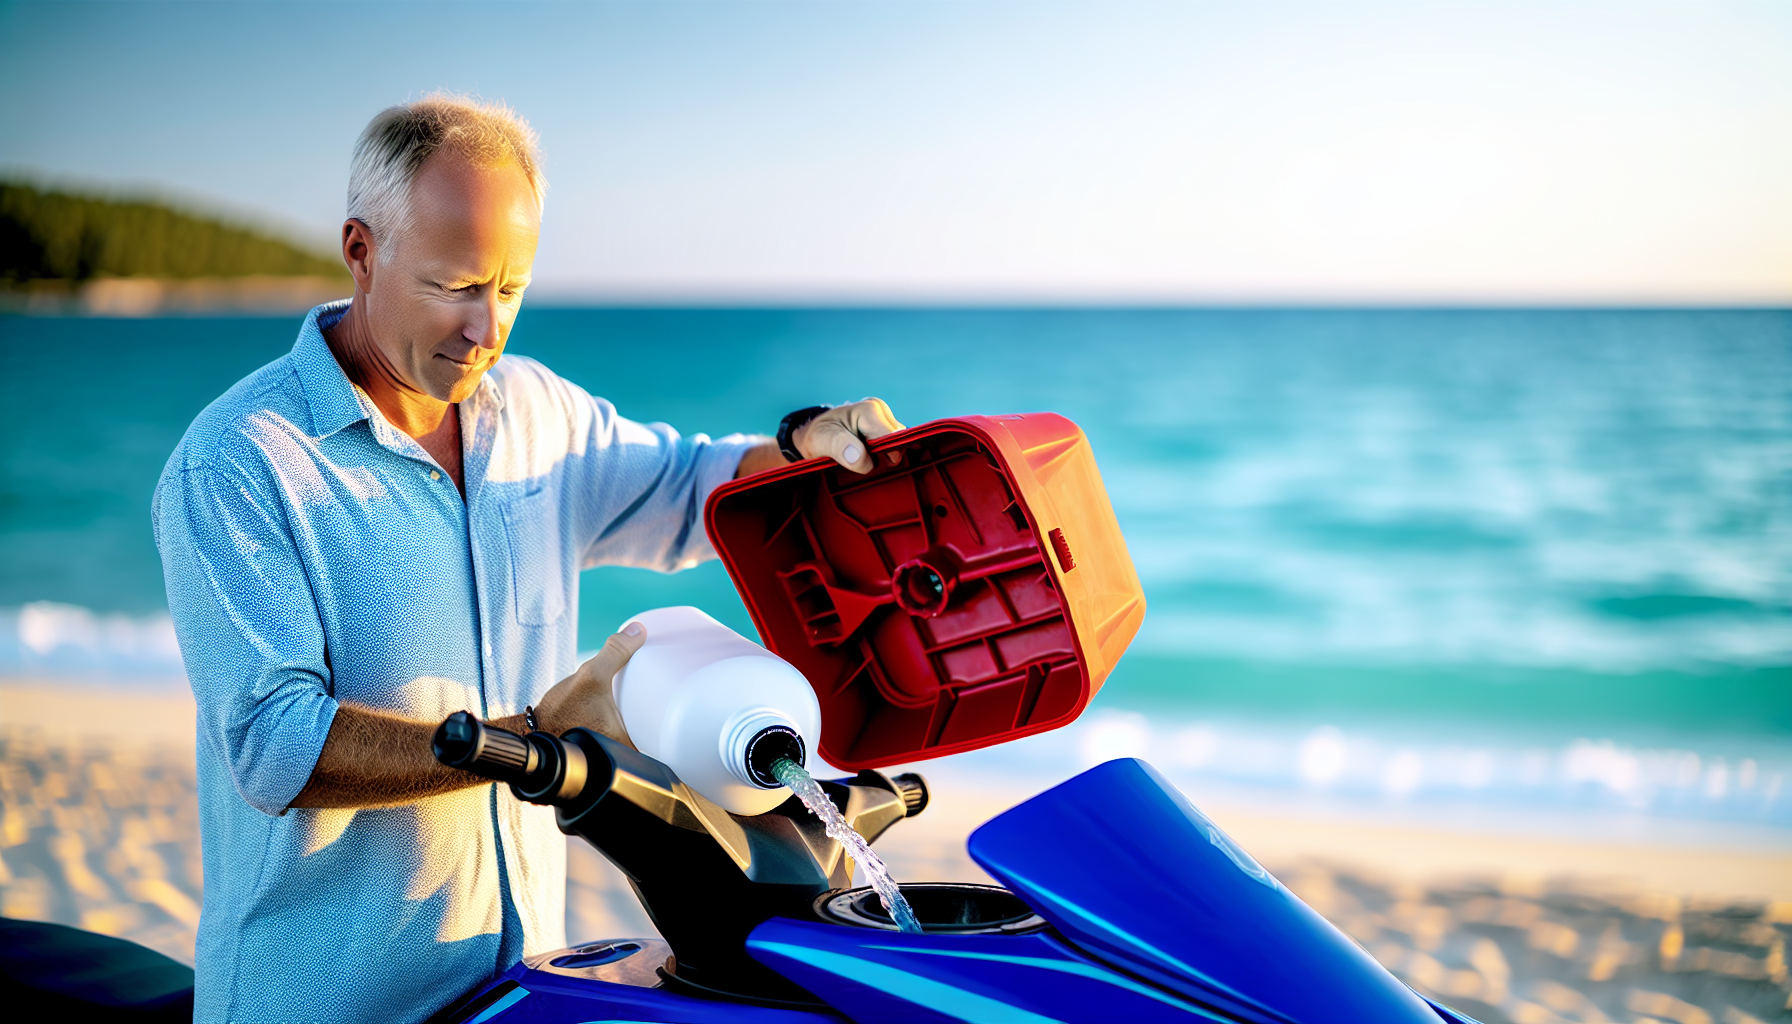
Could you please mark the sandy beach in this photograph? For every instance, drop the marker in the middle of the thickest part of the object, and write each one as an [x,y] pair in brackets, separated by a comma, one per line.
[100,831]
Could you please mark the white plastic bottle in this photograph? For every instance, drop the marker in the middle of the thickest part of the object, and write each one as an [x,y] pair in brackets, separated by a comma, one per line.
[716,708]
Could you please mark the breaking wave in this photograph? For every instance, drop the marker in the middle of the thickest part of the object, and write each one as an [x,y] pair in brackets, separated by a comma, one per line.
[45,639]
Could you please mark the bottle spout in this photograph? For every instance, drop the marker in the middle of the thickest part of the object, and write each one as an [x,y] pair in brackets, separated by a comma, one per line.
[771,745]
[755,740]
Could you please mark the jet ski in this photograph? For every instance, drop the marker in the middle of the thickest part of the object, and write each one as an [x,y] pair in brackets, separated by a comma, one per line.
[1119,901]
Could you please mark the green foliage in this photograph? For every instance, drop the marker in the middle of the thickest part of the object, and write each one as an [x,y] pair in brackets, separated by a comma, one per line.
[61,235]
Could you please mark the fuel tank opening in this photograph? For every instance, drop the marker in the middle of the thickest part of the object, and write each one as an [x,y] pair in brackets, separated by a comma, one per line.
[953,908]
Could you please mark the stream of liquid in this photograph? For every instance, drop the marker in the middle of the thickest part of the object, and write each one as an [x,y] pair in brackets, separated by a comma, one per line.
[813,797]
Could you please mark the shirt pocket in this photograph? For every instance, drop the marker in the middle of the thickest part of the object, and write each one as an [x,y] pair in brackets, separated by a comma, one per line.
[537,565]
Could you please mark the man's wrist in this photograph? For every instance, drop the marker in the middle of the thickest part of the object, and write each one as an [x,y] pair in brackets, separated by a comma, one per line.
[789,425]
[515,723]
[759,458]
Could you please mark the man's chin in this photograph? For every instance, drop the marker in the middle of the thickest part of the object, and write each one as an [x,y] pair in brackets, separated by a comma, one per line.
[462,389]
[452,382]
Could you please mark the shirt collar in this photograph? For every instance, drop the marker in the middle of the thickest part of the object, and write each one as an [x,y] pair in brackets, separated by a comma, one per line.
[488,392]
[334,399]
[335,402]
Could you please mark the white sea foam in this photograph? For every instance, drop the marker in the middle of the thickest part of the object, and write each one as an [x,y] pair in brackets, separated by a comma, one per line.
[46,639]
[1744,780]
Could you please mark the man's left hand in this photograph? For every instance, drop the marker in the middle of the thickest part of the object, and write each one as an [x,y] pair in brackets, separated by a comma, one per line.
[840,433]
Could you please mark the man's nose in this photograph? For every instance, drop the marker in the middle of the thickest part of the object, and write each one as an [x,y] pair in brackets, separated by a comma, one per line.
[485,327]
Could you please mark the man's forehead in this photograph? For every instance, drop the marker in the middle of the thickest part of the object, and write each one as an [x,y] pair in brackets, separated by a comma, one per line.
[467,219]
[450,184]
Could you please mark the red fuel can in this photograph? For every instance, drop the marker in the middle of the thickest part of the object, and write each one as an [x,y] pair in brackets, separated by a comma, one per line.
[974,588]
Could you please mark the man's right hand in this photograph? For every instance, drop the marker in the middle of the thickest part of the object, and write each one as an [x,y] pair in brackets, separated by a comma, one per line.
[585,698]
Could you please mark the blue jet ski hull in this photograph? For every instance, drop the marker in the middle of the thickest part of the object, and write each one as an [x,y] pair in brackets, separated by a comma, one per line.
[1146,912]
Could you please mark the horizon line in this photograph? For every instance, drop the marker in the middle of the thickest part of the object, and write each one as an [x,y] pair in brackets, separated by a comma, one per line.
[695,300]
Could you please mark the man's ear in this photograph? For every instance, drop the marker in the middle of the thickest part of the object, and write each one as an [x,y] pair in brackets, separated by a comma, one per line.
[358,252]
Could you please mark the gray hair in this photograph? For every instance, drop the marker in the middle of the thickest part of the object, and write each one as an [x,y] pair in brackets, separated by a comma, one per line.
[395,144]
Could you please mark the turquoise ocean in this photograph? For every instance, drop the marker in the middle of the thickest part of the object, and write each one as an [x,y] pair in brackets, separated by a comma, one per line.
[1531,557]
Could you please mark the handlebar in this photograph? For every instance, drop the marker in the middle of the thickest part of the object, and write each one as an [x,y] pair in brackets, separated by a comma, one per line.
[912,789]
[539,768]
[545,769]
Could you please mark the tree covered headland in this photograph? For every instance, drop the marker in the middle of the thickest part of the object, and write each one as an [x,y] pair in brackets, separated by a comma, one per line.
[51,235]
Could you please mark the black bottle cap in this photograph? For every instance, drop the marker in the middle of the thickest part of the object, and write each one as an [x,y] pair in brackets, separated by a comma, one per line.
[767,747]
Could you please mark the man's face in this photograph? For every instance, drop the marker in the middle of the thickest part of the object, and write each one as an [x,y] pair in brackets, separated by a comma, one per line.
[441,308]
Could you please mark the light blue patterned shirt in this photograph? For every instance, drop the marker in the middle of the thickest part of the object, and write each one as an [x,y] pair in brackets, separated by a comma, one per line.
[314,553]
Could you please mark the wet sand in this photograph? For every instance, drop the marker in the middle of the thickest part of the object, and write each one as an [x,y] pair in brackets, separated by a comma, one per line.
[100,831]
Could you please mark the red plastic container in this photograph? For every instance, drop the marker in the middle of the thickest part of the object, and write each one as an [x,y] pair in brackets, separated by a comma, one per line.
[974,588]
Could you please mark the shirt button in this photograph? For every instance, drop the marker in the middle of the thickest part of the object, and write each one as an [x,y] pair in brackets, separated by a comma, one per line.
[435,474]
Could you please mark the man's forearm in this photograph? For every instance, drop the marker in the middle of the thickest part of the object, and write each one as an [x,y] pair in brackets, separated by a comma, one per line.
[373,759]
[760,457]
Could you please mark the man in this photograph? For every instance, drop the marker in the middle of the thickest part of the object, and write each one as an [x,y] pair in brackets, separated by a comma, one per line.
[385,527]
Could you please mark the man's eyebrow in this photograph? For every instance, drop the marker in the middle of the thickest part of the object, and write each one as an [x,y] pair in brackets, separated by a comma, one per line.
[453,278]
[461,278]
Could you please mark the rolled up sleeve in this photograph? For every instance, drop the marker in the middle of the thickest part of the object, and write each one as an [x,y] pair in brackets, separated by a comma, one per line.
[249,631]
[647,484]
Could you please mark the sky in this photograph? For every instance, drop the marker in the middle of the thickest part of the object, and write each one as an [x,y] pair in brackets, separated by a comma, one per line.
[1564,152]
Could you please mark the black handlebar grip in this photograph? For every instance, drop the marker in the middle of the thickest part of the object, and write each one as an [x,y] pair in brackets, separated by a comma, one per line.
[540,768]
[912,789]
[466,743]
